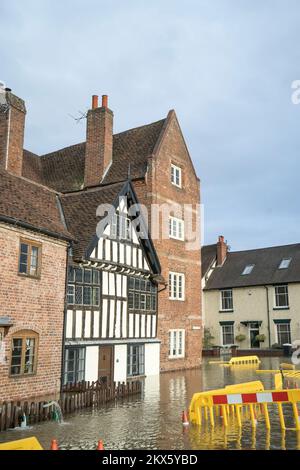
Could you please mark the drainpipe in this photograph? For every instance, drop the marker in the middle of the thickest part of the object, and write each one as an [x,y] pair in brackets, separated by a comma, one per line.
[64,321]
[268,315]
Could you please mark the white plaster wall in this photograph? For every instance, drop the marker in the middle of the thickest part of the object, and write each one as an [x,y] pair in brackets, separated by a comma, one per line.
[250,303]
[91,363]
[120,363]
[152,351]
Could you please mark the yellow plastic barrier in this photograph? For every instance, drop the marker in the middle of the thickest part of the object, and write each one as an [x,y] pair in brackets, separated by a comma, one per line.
[197,399]
[238,361]
[243,360]
[241,406]
[278,381]
[31,443]
[287,366]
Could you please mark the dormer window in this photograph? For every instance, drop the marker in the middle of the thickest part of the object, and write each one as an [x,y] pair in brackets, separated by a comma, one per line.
[176,177]
[248,269]
[285,262]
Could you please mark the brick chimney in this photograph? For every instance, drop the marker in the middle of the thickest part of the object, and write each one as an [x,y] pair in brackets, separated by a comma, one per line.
[12,124]
[222,249]
[99,141]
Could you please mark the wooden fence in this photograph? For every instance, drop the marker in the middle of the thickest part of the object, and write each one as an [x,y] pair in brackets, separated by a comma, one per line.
[73,397]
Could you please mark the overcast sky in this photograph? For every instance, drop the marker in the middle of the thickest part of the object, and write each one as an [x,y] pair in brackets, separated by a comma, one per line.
[225,66]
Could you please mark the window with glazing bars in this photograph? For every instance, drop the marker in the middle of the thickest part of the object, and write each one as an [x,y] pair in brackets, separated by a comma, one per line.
[83,286]
[142,295]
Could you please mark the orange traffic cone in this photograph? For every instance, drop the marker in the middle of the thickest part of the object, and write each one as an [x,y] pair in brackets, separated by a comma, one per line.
[54,445]
[185,421]
[100,445]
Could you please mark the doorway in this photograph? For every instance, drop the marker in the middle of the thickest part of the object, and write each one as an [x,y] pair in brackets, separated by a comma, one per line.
[105,373]
[254,331]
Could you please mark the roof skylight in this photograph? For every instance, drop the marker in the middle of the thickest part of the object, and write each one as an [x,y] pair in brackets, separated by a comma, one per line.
[285,262]
[248,269]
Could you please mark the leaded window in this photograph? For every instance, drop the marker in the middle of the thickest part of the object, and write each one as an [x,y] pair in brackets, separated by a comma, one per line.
[142,295]
[83,286]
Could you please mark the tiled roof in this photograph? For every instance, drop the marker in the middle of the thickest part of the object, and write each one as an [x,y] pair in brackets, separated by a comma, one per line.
[29,204]
[208,256]
[63,170]
[80,213]
[266,262]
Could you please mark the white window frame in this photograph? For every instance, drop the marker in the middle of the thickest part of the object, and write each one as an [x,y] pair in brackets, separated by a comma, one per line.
[174,338]
[176,228]
[222,337]
[176,286]
[176,174]
[221,300]
[278,307]
[277,332]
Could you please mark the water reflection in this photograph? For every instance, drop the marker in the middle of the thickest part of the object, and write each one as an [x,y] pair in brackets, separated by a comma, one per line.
[153,421]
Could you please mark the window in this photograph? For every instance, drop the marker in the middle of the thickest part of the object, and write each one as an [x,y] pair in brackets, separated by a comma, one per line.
[176,286]
[135,360]
[176,228]
[141,295]
[83,286]
[248,269]
[227,334]
[176,343]
[285,262]
[226,300]
[24,353]
[30,258]
[281,296]
[283,333]
[120,227]
[74,365]
[176,176]
[71,294]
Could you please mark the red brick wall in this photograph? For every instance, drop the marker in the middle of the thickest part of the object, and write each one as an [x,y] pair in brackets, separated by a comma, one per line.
[99,140]
[12,122]
[33,304]
[173,255]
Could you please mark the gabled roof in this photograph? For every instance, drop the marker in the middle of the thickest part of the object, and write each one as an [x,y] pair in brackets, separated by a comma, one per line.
[80,214]
[265,272]
[31,205]
[208,256]
[63,170]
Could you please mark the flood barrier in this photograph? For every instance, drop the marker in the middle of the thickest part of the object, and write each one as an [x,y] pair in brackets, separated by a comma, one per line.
[239,361]
[223,406]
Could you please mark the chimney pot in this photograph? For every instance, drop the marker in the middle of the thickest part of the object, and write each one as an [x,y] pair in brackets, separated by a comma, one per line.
[94,101]
[104,101]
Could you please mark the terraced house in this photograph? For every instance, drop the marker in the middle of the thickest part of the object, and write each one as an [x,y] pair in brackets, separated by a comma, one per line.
[252,297]
[118,317]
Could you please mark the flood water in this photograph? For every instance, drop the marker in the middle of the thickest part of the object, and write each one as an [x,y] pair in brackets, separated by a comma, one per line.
[153,420]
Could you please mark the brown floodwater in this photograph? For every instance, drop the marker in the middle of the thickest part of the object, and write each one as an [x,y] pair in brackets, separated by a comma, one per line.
[153,420]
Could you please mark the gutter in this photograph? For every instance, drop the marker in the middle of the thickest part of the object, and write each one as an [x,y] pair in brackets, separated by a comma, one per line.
[20,223]
[268,315]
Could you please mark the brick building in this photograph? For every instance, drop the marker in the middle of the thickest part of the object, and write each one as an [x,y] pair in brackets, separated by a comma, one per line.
[161,171]
[33,251]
